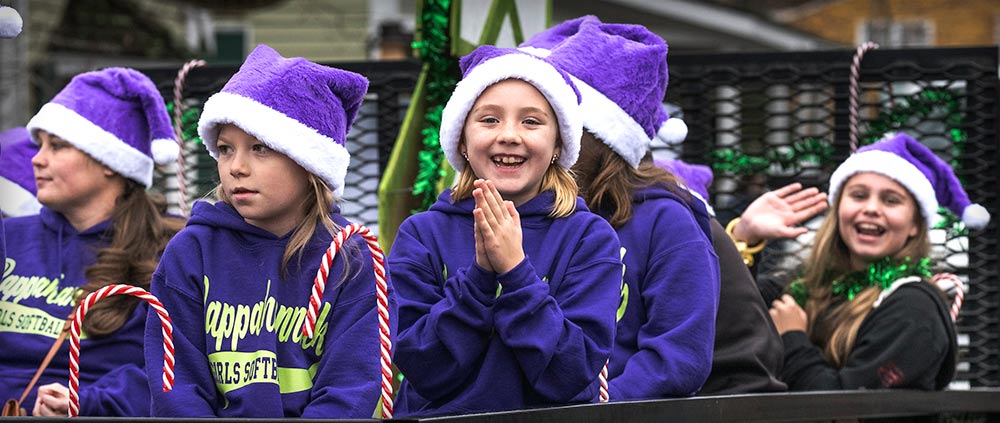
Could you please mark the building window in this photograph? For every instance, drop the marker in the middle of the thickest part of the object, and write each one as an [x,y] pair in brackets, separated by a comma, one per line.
[888,33]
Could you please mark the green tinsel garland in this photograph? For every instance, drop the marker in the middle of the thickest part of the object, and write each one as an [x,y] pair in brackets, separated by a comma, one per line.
[434,49]
[881,273]
[189,122]
[735,161]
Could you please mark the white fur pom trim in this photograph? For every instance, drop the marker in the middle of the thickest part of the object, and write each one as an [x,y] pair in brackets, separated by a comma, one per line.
[16,201]
[98,143]
[317,153]
[165,151]
[673,131]
[10,22]
[610,123]
[975,216]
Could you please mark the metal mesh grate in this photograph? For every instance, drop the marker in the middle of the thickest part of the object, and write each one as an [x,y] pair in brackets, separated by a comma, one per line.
[767,103]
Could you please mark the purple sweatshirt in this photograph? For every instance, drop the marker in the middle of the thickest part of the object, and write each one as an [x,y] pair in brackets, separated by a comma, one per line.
[44,268]
[475,341]
[666,327]
[238,324]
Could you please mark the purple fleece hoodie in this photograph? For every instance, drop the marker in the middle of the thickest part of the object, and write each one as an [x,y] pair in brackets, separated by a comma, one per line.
[475,341]
[666,327]
[238,323]
[44,268]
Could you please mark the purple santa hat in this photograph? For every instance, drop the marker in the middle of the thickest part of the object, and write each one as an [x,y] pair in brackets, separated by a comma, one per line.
[488,65]
[299,108]
[17,177]
[621,71]
[929,179]
[117,117]
[695,178]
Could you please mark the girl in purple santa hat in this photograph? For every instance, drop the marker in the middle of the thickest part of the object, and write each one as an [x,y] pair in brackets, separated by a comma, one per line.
[97,142]
[241,272]
[508,285]
[863,314]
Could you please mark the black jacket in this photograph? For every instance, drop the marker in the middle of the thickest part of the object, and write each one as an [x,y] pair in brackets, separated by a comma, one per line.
[907,342]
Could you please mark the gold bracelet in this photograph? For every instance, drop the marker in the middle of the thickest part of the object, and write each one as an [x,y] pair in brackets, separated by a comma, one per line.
[747,251]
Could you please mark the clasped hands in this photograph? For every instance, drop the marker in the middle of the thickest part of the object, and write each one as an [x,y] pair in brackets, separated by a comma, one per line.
[497,229]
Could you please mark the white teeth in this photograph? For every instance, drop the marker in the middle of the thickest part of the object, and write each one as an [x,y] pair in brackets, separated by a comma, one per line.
[507,160]
[870,228]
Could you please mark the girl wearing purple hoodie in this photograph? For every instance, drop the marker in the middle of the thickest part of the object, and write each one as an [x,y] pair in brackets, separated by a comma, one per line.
[238,277]
[508,285]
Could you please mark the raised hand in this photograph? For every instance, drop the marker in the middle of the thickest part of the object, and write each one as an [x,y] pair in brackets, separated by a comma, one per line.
[775,214]
[500,226]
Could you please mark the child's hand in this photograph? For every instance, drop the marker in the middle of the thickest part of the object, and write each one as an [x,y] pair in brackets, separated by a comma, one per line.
[500,225]
[482,257]
[787,315]
[775,214]
[52,400]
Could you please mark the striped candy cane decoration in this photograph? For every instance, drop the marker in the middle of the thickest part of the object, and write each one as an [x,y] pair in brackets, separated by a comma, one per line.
[382,294]
[74,345]
[948,278]
[854,92]
[178,112]
[603,378]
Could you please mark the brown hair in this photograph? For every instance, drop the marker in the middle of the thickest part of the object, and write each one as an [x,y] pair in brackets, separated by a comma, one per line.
[608,183]
[139,234]
[835,325]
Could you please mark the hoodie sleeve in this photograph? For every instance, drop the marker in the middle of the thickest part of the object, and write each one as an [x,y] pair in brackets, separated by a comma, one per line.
[680,296]
[123,392]
[445,321]
[901,344]
[562,340]
[178,284]
[349,377]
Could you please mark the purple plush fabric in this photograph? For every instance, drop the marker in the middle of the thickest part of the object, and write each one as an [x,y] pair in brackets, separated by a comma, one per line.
[323,98]
[633,70]
[121,101]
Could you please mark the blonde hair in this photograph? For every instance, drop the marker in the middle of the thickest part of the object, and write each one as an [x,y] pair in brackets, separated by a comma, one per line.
[318,203]
[835,325]
[556,178]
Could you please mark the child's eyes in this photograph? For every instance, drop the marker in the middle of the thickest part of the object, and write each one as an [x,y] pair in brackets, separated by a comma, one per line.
[489,119]
[261,148]
[531,121]
[224,149]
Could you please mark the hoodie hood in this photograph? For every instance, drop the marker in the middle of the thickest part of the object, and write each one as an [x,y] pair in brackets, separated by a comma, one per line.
[656,192]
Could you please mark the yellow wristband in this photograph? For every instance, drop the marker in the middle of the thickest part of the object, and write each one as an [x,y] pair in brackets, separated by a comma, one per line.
[747,251]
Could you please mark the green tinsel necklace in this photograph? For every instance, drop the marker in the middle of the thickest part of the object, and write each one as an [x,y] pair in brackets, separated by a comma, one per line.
[881,273]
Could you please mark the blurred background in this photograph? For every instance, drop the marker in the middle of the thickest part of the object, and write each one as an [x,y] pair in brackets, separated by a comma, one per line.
[65,37]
